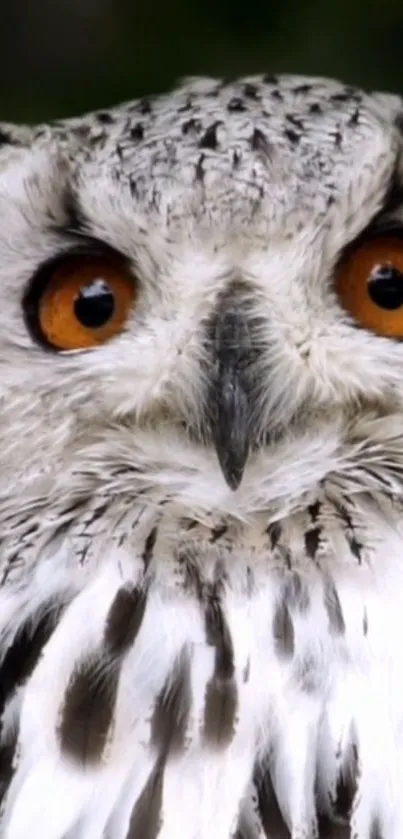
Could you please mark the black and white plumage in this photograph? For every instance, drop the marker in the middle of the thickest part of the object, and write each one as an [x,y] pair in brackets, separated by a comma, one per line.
[201,558]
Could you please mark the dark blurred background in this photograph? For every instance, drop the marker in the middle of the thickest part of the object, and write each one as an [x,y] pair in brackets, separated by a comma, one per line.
[61,57]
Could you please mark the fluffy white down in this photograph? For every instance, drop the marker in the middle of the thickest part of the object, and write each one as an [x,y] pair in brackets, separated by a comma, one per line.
[103,491]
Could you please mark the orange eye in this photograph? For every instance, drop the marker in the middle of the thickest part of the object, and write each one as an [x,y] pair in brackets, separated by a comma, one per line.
[81,301]
[369,283]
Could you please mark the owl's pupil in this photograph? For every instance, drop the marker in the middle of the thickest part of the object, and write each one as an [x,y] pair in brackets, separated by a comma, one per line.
[385,287]
[95,304]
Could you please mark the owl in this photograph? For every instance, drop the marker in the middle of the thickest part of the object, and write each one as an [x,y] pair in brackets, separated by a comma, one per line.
[201,452]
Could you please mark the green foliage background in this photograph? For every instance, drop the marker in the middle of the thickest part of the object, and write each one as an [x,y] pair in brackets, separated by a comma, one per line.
[62,57]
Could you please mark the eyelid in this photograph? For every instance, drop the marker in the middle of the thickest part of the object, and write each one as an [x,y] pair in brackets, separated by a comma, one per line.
[376,230]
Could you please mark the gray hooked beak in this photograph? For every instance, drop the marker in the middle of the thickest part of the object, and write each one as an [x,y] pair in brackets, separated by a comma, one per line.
[229,397]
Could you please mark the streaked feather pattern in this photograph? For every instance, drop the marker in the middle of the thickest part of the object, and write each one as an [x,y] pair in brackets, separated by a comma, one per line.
[240,694]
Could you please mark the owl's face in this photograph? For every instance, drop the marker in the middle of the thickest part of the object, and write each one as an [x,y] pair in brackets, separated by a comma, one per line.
[203,290]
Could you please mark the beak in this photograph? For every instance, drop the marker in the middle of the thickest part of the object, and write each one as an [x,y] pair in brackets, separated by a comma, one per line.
[231,430]
[229,398]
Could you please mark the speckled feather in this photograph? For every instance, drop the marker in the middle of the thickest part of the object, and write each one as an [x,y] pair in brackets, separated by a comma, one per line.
[179,659]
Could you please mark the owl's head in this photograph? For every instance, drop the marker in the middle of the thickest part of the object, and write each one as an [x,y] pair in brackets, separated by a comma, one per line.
[203,293]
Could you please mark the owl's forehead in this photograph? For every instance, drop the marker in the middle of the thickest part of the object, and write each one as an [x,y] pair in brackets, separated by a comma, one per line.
[263,150]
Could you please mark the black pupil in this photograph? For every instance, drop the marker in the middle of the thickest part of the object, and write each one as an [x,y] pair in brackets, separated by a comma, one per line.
[95,304]
[385,287]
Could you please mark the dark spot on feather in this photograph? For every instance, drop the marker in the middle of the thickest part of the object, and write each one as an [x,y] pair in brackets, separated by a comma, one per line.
[199,170]
[344,515]
[149,547]
[8,747]
[314,510]
[7,139]
[260,143]
[218,532]
[105,118]
[76,220]
[217,634]
[146,817]
[137,132]
[355,548]
[333,607]
[312,541]
[268,78]
[172,708]
[340,97]
[88,707]
[23,653]
[251,91]
[346,788]
[236,159]
[18,664]
[355,118]
[221,693]
[74,507]
[219,711]
[329,830]
[124,619]
[236,105]
[302,88]
[345,792]
[145,106]
[191,125]
[283,631]
[97,514]
[365,622]
[209,139]
[295,121]
[269,810]
[250,581]
[274,533]
[292,136]
[315,108]
[133,187]
[187,106]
